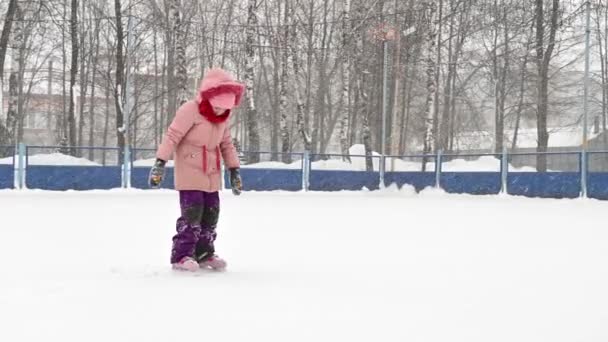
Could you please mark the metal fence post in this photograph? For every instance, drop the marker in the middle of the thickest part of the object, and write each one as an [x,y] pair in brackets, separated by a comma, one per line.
[438,159]
[504,170]
[382,170]
[20,175]
[16,172]
[583,171]
[305,171]
[223,175]
[126,168]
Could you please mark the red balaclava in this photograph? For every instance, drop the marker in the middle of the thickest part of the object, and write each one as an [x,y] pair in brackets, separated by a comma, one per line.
[218,88]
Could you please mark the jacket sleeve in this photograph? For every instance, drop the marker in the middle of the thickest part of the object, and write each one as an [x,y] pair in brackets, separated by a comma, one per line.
[180,125]
[229,154]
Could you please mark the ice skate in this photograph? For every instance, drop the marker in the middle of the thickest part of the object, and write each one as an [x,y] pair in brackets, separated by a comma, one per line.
[214,263]
[186,264]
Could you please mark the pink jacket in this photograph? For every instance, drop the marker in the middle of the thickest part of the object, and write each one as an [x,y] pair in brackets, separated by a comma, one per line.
[197,137]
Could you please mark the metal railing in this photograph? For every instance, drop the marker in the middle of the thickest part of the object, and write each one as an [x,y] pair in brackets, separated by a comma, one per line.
[309,164]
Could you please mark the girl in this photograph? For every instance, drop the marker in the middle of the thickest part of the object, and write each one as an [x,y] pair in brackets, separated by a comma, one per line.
[197,137]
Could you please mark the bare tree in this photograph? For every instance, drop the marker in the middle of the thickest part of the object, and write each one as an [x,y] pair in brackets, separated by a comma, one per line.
[284,124]
[73,73]
[156,94]
[312,71]
[362,98]
[4,38]
[439,19]
[119,89]
[544,53]
[15,82]
[393,144]
[345,56]
[95,42]
[6,32]
[458,33]
[181,74]
[601,19]
[500,58]
[410,75]
[431,9]
[301,119]
[252,124]
[523,78]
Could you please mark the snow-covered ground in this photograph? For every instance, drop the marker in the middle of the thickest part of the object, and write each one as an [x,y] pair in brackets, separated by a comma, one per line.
[349,266]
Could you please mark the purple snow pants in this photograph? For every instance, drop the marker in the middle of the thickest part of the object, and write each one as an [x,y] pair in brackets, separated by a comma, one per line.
[196,225]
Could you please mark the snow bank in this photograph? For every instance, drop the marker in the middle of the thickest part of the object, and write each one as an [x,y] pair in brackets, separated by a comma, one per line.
[53,159]
[7,160]
[358,162]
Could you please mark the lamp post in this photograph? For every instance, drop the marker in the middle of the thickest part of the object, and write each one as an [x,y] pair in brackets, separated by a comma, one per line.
[389,36]
[385,34]
[128,105]
[585,101]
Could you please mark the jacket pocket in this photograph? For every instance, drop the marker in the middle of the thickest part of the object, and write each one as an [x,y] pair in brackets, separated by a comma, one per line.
[192,159]
[202,159]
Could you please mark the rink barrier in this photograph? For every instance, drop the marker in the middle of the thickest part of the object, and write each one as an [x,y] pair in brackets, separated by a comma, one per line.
[271,179]
[339,180]
[8,180]
[138,175]
[109,175]
[68,177]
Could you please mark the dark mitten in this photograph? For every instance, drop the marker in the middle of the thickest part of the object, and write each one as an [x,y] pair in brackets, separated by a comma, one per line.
[236,183]
[157,173]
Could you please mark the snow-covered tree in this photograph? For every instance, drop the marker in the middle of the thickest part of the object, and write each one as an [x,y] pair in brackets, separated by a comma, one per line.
[431,85]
